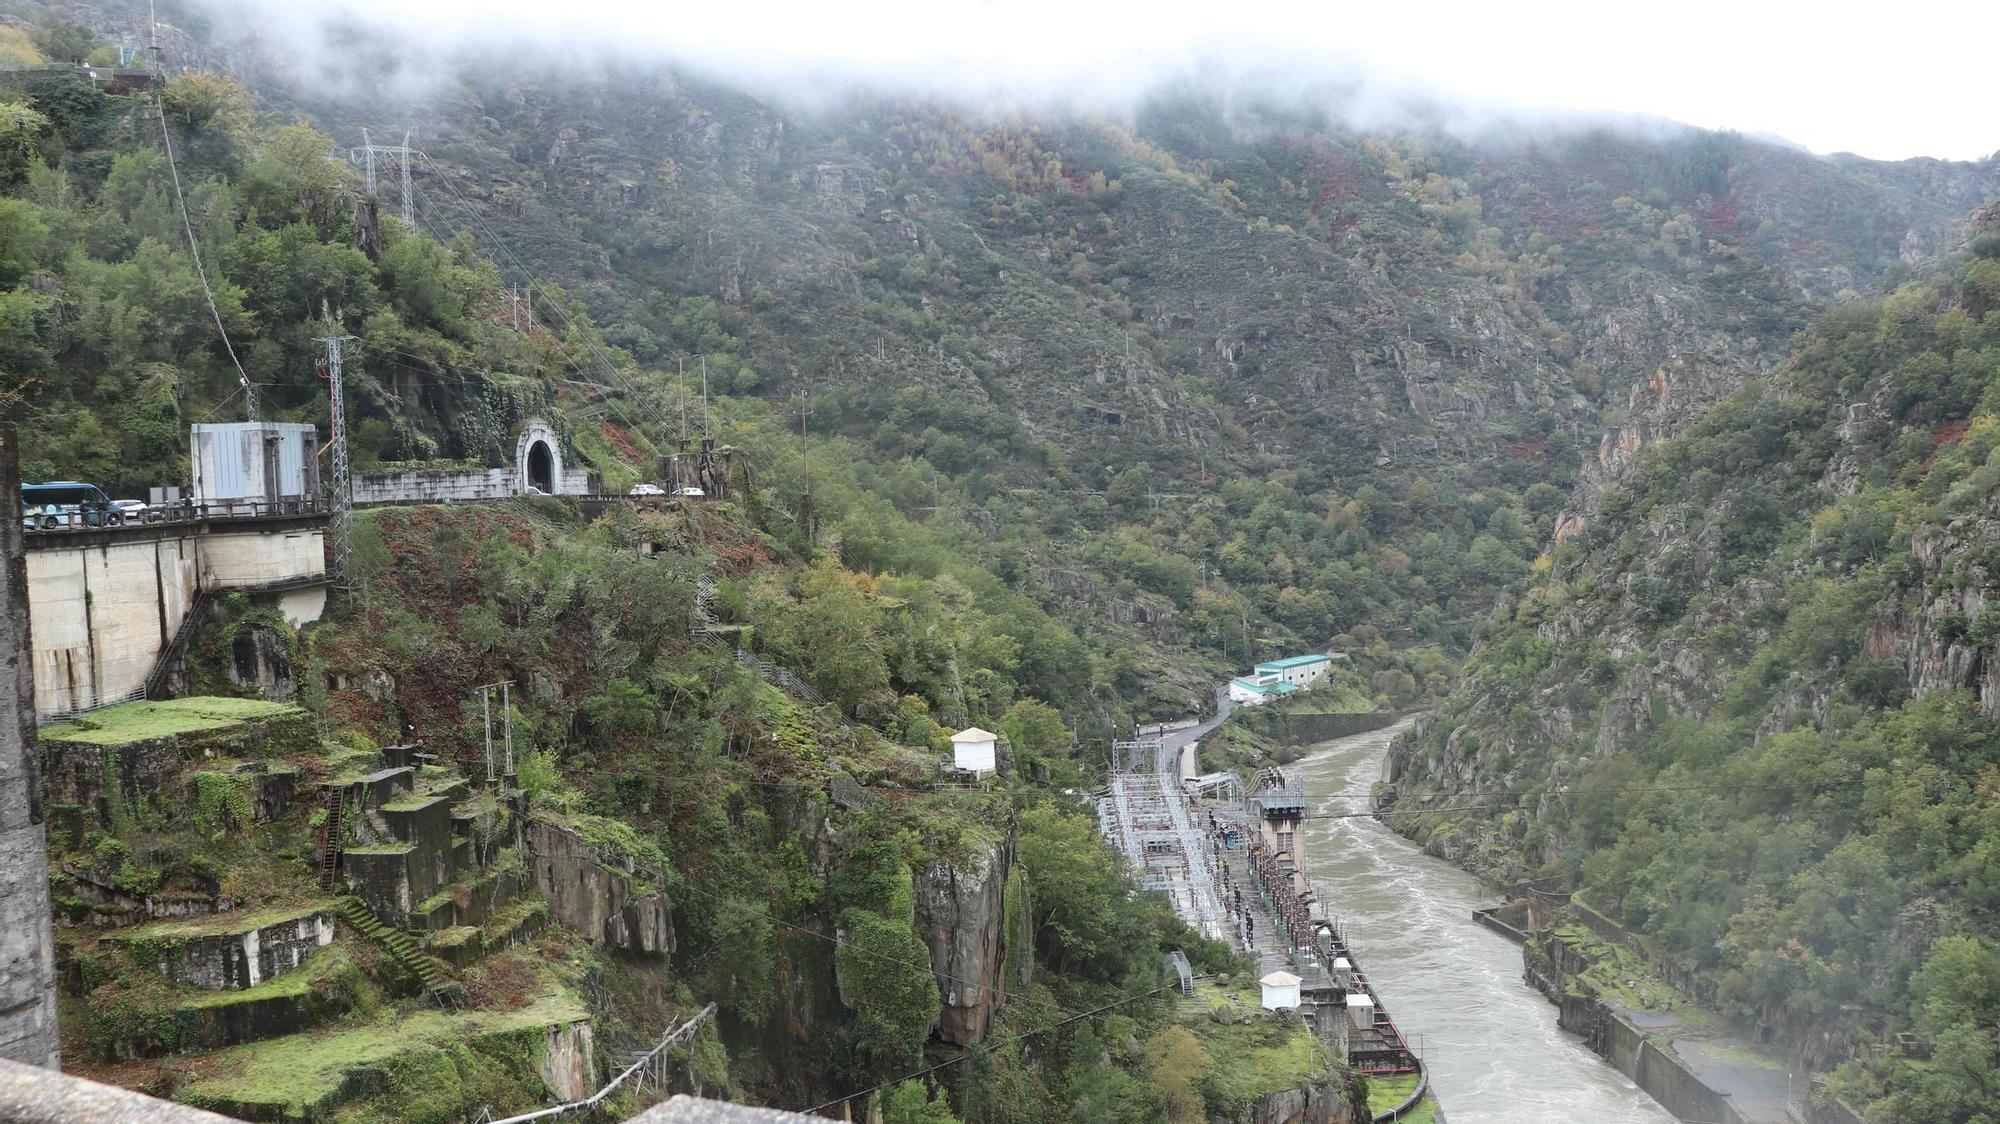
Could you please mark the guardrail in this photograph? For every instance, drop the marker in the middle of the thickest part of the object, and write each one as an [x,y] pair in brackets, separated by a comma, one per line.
[83,522]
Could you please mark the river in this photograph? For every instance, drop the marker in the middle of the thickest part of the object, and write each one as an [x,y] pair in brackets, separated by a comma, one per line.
[1495,1054]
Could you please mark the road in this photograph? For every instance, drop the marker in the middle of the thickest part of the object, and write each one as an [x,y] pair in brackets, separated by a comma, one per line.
[1171,744]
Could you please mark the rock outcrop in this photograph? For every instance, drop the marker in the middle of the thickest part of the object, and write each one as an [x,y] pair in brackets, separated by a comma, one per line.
[960,914]
[1317,1103]
[604,904]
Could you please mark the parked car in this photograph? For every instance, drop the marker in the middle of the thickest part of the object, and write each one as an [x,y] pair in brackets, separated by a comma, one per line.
[133,511]
[689,490]
[67,503]
[647,490]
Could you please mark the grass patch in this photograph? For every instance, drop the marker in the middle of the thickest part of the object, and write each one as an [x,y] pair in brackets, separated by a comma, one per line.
[305,1075]
[1259,1053]
[1385,1093]
[152,720]
[217,924]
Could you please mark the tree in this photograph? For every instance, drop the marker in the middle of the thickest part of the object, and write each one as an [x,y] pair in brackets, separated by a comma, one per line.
[884,973]
[622,706]
[1036,731]
[64,40]
[1175,1061]
[20,128]
[834,631]
[911,1103]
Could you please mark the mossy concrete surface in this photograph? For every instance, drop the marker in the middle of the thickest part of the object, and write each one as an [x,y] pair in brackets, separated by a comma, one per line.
[146,721]
[413,1066]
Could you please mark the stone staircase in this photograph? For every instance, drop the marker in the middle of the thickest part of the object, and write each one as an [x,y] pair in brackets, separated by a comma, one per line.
[434,974]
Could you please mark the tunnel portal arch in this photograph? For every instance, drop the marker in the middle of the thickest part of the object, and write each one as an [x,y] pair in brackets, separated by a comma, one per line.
[538,457]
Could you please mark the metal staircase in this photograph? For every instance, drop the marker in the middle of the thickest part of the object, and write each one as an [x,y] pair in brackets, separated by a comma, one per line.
[329,845]
[704,630]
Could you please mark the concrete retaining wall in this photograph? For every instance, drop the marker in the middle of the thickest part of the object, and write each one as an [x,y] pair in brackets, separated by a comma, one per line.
[1549,966]
[27,944]
[1486,917]
[104,607]
[1309,728]
[472,486]
[240,959]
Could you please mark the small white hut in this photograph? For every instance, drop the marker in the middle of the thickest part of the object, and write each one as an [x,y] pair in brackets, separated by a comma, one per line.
[1281,991]
[1343,973]
[972,750]
[1361,1009]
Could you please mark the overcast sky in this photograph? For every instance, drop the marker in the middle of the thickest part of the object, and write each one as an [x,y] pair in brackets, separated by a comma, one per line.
[1883,80]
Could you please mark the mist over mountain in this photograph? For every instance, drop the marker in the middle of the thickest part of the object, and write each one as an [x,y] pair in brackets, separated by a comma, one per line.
[1071,362]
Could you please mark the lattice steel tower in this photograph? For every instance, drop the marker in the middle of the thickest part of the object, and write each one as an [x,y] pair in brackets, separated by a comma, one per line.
[340,528]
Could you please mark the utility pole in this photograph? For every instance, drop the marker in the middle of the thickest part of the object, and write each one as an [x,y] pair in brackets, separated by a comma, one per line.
[706,432]
[341,525]
[681,385]
[153,22]
[495,769]
[486,712]
[409,210]
[507,723]
[805,467]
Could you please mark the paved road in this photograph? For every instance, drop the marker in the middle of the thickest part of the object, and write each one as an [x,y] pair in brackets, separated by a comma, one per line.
[1171,744]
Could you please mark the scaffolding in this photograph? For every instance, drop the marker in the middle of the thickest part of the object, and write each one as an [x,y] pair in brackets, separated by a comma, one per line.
[1148,817]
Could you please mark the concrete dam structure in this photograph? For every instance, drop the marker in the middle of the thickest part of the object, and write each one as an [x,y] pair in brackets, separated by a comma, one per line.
[108,605]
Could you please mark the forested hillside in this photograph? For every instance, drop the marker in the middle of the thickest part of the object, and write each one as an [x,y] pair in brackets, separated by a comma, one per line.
[1751,708]
[1090,410]
[1220,375]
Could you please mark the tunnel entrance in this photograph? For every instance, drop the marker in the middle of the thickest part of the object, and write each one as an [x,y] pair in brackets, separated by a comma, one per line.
[541,467]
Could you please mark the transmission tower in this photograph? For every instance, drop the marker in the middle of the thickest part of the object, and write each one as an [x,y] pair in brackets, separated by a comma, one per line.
[367,154]
[341,526]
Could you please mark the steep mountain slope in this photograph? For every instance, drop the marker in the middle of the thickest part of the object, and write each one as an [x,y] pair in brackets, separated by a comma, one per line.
[1096,343]
[1752,708]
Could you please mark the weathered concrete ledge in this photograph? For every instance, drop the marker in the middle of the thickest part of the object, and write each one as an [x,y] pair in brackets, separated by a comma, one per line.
[1300,728]
[1631,1041]
[30,1095]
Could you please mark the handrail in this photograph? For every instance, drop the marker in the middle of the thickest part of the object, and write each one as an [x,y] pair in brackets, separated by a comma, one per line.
[672,1037]
[187,511]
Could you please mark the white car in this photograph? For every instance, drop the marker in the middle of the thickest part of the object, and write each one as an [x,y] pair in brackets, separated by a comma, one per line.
[134,511]
[647,490]
[689,490]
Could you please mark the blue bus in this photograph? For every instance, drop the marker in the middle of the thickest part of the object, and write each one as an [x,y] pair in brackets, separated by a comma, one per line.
[67,503]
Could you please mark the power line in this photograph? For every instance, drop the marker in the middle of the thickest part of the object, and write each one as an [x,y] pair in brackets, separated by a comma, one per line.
[617,377]
[1092,1013]
[836,941]
[201,271]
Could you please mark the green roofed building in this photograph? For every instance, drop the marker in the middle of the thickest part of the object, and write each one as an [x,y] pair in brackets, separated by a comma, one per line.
[1300,671]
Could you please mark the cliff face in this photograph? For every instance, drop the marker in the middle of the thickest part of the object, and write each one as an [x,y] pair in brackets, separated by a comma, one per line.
[596,900]
[1318,1103]
[1762,665]
[960,914]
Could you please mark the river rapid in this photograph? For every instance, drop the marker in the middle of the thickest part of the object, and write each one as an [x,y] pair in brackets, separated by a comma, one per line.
[1454,987]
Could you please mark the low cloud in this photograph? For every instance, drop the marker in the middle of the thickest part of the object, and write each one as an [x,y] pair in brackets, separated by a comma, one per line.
[1887,88]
